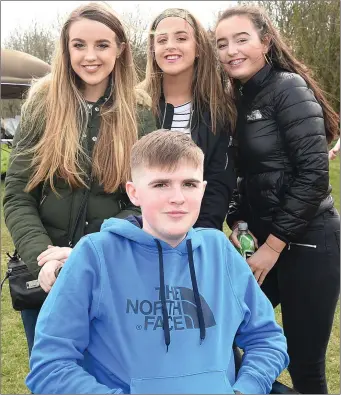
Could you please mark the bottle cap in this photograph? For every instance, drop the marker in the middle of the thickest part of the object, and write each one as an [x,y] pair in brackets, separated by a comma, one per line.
[242,226]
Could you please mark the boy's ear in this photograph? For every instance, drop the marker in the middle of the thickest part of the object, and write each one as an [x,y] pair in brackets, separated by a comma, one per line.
[132,194]
[204,187]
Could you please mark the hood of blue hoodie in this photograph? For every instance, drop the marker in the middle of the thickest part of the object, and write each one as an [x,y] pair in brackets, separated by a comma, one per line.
[131,229]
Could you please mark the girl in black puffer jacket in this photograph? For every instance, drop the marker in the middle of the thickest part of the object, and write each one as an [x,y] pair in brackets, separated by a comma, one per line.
[284,125]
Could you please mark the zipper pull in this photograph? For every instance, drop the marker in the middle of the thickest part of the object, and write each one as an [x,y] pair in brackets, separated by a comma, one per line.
[289,246]
[42,200]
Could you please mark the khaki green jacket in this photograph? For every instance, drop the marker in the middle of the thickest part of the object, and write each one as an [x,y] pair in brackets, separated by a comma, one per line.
[40,218]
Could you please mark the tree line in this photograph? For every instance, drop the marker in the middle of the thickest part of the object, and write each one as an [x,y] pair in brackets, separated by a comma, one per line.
[311,28]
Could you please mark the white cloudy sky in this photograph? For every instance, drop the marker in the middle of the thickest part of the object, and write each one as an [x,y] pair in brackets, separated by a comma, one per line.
[21,13]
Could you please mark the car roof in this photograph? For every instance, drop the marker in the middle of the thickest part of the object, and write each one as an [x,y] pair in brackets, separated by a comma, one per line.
[17,71]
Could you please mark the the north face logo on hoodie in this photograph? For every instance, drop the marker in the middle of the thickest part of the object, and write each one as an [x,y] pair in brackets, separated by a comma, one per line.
[181,310]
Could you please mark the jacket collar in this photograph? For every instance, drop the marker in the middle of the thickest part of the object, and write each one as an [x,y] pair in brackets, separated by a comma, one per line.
[255,83]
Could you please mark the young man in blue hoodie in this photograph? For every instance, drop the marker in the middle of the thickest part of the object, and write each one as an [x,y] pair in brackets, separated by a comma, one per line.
[151,305]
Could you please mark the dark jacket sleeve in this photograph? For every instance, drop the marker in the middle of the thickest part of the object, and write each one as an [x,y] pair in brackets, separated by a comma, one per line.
[21,209]
[301,124]
[237,210]
[221,179]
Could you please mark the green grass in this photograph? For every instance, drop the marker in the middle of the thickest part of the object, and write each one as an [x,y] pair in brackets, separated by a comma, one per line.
[14,358]
[5,152]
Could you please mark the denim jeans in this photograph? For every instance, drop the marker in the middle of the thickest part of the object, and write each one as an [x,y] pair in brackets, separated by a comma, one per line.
[29,318]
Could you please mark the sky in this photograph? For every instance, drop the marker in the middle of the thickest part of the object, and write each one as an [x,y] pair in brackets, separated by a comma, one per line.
[19,14]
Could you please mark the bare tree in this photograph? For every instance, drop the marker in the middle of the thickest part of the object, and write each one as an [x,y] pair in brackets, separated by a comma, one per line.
[312,29]
[36,40]
[137,29]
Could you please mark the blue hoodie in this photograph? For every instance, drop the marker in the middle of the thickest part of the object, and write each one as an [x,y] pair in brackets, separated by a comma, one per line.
[100,330]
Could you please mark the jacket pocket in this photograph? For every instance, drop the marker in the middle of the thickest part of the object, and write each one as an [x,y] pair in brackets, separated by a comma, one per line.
[213,382]
[301,245]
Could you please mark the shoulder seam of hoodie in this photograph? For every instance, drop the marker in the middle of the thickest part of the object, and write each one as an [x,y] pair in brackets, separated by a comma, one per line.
[211,230]
[100,274]
[232,287]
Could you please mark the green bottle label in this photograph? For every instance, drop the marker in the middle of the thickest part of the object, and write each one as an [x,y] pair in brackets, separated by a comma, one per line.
[247,245]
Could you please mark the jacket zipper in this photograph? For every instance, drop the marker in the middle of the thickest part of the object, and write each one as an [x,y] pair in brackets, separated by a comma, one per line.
[80,211]
[72,230]
[190,119]
[42,200]
[164,115]
[302,245]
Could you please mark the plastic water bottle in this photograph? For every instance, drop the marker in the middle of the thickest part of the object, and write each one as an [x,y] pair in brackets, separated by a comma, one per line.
[246,241]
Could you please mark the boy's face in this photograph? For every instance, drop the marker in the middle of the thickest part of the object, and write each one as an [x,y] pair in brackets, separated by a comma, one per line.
[170,201]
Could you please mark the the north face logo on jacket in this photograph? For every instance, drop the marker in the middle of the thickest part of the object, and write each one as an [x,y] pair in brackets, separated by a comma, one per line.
[181,310]
[254,116]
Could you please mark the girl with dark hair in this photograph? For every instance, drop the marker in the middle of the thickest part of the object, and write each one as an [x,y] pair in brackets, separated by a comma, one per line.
[283,127]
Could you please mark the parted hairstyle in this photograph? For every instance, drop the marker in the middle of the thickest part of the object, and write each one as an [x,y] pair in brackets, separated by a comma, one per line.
[281,56]
[164,149]
[207,87]
[55,115]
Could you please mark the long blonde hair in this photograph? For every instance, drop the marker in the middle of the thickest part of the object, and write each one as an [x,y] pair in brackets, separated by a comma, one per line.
[281,56]
[55,116]
[207,88]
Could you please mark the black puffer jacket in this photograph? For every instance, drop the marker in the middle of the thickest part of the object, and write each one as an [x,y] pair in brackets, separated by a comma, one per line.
[218,163]
[282,156]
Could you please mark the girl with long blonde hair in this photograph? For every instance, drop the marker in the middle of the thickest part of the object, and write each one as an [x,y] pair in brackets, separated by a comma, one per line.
[71,156]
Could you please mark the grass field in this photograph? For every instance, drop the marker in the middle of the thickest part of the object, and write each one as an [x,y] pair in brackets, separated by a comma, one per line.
[14,360]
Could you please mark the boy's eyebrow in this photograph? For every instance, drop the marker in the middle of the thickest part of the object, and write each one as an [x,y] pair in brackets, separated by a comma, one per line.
[159,181]
[167,180]
[97,41]
[234,36]
[194,180]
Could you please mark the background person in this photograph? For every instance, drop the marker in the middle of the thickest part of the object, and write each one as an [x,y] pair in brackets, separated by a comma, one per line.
[333,152]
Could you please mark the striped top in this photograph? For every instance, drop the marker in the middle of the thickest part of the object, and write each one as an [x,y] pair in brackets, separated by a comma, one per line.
[181,118]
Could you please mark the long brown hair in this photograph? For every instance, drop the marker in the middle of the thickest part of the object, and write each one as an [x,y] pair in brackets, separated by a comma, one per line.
[281,56]
[55,115]
[207,87]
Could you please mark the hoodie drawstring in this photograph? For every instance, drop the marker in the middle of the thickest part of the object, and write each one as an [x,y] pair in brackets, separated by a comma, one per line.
[196,292]
[163,297]
[197,300]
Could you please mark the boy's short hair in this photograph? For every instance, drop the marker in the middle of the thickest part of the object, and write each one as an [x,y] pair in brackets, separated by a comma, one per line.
[164,149]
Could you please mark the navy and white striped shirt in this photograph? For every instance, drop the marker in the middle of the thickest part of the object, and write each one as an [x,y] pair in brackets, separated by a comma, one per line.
[181,118]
